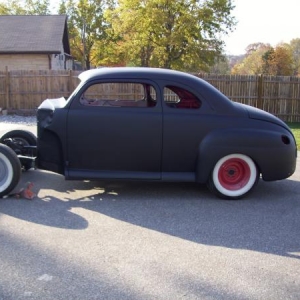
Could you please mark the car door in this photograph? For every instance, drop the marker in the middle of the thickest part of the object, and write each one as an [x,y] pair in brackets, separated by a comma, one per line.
[183,130]
[114,130]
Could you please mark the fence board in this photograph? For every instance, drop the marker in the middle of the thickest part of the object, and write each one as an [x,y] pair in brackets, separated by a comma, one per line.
[279,95]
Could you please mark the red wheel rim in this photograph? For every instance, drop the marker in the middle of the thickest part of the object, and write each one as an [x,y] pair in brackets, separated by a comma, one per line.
[234,174]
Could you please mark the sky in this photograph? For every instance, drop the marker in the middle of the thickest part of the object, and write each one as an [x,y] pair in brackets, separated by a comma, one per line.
[265,21]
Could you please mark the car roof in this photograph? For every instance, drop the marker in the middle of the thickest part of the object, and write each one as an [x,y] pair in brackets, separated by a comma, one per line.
[136,72]
[218,100]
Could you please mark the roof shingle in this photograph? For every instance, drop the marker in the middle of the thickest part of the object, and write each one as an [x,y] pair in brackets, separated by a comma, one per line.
[33,34]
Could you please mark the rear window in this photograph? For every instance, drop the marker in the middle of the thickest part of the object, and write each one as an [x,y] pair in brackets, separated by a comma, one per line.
[177,97]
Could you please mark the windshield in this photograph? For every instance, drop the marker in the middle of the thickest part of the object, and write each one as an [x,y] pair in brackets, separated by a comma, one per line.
[75,91]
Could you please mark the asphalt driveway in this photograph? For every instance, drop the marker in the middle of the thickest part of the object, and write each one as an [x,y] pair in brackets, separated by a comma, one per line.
[128,240]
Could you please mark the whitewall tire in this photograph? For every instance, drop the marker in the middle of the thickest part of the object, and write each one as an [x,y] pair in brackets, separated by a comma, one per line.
[10,170]
[233,176]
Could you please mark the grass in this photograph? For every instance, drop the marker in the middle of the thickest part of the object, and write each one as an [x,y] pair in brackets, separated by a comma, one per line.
[295,127]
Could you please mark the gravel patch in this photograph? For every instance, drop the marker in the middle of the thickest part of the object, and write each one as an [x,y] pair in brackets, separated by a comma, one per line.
[16,122]
[15,119]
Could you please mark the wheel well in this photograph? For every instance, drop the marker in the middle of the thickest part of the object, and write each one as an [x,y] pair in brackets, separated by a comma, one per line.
[206,165]
[50,153]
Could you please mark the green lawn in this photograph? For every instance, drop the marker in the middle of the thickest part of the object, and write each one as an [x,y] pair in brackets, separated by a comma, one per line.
[296,131]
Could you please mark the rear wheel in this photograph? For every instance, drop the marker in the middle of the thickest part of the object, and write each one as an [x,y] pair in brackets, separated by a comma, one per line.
[10,170]
[233,176]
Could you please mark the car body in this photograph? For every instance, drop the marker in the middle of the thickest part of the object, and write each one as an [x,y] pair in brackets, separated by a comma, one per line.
[161,125]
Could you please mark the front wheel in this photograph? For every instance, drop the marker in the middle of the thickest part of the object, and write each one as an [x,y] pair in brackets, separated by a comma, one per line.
[233,176]
[10,170]
[19,140]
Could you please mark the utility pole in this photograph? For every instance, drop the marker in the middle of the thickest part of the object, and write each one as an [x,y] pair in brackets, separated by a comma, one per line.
[83,43]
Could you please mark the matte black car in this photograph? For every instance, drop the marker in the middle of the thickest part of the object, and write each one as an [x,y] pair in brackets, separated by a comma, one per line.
[152,124]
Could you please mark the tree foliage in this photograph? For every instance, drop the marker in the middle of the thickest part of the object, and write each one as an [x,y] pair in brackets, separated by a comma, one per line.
[295,49]
[283,60]
[252,64]
[256,46]
[172,34]
[221,66]
[27,7]
[86,27]
[278,61]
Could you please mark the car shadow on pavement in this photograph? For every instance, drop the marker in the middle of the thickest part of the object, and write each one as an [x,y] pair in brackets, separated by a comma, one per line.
[265,221]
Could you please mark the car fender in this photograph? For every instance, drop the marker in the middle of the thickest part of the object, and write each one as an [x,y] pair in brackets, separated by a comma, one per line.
[273,151]
[51,134]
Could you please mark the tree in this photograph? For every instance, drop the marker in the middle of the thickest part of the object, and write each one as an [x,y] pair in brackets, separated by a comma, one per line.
[252,64]
[264,59]
[86,26]
[278,61]
[295,49]
[256,46]
[172,34]
[221,66]
[27,7]
[11,8]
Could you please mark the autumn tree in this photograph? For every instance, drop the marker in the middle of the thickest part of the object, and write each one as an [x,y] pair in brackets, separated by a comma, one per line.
[278,61]
[252,64]
[263,59]
[181,34]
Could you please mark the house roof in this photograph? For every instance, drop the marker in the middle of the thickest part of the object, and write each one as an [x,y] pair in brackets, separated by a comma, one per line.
[34,34]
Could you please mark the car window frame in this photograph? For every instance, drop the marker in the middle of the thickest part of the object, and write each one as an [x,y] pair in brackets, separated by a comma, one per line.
[75,101]
[166,107]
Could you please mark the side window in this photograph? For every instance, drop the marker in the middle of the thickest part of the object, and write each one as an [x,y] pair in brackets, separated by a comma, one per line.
[177,97]
[119,94]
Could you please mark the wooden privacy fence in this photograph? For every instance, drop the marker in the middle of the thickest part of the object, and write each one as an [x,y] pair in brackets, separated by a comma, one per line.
[279,95]
[27,89]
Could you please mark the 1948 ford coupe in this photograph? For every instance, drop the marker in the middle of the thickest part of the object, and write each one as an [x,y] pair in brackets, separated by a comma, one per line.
[151,124]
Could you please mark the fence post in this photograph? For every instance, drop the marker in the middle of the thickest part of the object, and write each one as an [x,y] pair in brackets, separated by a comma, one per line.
[260,91]
[7,87]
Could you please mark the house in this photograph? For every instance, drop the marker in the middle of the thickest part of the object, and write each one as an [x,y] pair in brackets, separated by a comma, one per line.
[31,42]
